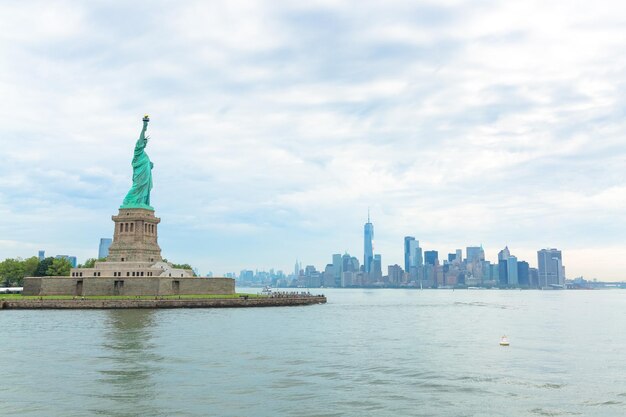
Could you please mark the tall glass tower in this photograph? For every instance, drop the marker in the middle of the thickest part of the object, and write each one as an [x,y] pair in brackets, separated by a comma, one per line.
[410,246]
[368,246]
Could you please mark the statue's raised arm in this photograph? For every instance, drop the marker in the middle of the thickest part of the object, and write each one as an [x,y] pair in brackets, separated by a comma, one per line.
[143,139]
[139,194]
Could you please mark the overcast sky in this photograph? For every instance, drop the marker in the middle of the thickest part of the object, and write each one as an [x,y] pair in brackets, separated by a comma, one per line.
[274,125]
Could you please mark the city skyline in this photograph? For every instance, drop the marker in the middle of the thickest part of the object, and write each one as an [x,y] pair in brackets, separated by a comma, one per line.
[369,252]
[425,269]
[457,123]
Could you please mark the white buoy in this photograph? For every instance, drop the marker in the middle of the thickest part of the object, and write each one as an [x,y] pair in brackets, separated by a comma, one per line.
[504,341]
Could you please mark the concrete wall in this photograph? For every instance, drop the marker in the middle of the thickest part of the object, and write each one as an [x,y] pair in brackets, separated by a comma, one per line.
[127,286]
[184,303]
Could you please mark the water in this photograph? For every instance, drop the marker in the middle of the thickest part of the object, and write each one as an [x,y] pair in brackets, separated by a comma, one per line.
[365,353]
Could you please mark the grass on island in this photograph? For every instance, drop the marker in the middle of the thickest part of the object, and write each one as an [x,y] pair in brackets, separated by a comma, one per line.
[125,297]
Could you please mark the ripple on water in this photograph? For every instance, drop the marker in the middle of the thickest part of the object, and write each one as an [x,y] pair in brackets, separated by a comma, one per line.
[601,403]
[554,412]
[481,304]
[551,386]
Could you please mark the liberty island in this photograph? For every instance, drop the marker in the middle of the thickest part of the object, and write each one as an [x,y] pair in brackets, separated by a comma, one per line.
[135,268]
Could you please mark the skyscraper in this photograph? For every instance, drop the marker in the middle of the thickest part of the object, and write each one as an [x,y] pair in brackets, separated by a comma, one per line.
[103,250]
[431,257]
[533,277]
[42,255]
[511,270]
[504,254]
[349,263]
[337,269]
[475,254]
[503,279]
[296,269]
[409,252]
[376,269]
[395,273]
[418,257]
[523,276]
[412,253]
[503,271]
[368,244]
[550,268]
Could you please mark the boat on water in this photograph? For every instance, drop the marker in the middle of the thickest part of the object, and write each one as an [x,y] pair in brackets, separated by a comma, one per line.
[504,341]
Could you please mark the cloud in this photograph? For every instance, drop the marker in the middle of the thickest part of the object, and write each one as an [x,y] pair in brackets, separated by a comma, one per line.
[276,124]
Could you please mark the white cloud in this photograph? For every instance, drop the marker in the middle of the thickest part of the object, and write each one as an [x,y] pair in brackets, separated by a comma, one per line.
[276,124]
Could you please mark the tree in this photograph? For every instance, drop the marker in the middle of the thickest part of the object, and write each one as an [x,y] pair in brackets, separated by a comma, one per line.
[30,266]
[11,271]
[91,262]
[42,269]
[59,267]
[182,266]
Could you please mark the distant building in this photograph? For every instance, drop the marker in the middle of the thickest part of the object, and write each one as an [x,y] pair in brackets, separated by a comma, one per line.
[347,278]
[313,278]
[410,244]
[70,259]
[42,255]
[485,269]
[419,257]
[368,243]
[413,258]
[511,270]
[349,263]
[431,257]
[504,254]
[451,257]
[246,275]
[523,274]
[551,271]
[503,277]
[376,271]
[503,272]
[428,277]
[533,276]
[493,273]
[475,254]
[337,269]
[329,276]
[395,274]
[103,250]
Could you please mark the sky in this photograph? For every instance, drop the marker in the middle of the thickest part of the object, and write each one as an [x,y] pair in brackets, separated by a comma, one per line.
[275,125]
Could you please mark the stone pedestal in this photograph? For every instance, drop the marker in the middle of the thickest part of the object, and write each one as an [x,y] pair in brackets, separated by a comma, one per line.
[135,237]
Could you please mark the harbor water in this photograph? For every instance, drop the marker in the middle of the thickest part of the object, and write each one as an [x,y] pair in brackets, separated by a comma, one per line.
[365,353]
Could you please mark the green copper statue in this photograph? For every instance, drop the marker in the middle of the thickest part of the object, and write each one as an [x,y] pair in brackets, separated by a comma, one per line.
[139,194]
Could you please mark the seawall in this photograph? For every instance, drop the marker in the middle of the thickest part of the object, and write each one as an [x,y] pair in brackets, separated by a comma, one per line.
[34,304]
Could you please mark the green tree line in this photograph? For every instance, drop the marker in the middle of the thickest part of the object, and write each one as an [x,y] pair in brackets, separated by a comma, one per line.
[13,270]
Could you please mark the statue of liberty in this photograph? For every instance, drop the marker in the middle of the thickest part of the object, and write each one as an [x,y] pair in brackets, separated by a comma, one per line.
[139,194]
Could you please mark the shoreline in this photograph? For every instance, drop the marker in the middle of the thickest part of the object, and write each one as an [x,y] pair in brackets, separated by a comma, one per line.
[103,304]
